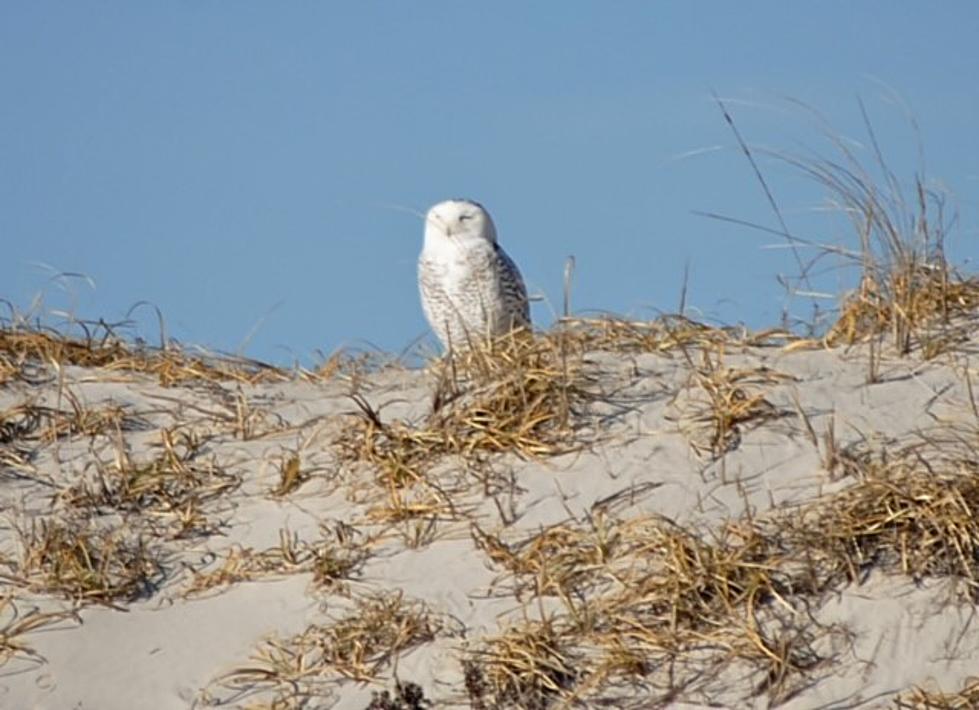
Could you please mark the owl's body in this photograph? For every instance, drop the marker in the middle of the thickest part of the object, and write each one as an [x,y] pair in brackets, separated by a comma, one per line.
[470,289]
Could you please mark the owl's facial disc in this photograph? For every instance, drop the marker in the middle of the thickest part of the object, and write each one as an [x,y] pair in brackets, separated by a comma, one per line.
[461,219]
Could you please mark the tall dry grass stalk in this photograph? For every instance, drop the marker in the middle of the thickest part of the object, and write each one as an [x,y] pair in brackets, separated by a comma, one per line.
[906,289]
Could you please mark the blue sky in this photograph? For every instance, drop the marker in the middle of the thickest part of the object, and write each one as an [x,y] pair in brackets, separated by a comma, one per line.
[233,163]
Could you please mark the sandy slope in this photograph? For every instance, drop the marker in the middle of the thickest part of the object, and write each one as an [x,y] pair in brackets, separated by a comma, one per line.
[166,648]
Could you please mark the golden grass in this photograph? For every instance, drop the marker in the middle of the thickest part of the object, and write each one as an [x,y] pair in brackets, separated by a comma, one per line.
[15,624]
[901,517]
[85,565]
[102,349]
[357,646]
[720,402]
[291,477]
[526,666]
[639,595]
[663,335]
[334,557]
[353,366]
[34,422]
[921,699]
[175,485]
[512,395]
[515,395]
[921,303]
[907,290]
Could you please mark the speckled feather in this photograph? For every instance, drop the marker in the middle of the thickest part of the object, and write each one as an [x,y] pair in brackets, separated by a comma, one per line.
[470,288]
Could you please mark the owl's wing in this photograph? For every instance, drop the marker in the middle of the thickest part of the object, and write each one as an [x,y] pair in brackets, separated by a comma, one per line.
[513,290]
[431,290]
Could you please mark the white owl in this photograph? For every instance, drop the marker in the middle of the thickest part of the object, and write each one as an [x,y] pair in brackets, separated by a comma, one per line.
[470,289]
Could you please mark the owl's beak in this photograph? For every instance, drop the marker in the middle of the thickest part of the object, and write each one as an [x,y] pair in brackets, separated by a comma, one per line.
[445,228]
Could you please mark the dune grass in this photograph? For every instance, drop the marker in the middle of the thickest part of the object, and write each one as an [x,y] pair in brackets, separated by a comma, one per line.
[85,564]
[922,699]
[357,645]
[720,402]
[101,348]
[516,395]
[638,595]
[906,291]
[173,487]
[37,424]
[337,555]
[16,624]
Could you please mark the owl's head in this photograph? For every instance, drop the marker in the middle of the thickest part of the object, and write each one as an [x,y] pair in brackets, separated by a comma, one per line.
[458,221]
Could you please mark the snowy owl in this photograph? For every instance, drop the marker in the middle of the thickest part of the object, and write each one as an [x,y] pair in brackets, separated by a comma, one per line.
[470,288]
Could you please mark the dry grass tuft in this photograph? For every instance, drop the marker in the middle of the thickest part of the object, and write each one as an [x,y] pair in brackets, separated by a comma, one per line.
[919,303]
[333,558]
[556,560]
[353,366]
[645,601]
[527,666]
[639,596]
[14,625]
[907,290]
[901,517]
[85,565]
[356,646]
[291,477]
[33,422]
[921,699]
[174,485]
[101,348]
[664,335]
[720,402]
[515,395]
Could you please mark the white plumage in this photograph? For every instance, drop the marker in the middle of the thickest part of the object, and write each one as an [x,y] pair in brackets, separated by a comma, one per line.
[470,289]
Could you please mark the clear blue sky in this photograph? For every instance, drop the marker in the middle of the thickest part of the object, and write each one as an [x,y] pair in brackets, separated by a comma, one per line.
[230,162]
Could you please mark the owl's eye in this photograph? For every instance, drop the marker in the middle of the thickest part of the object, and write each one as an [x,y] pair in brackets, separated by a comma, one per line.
[464,217]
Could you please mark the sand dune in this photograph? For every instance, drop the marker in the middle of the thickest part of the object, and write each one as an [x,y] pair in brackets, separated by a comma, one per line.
[690,518]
